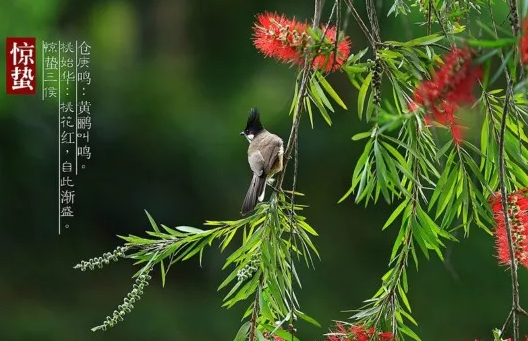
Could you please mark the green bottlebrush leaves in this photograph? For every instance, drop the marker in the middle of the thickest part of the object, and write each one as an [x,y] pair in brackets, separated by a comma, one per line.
[271,245]
[255,260]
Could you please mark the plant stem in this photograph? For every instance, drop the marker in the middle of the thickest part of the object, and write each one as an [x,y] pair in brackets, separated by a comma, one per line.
[305,72]
[504,201]
[254,314]
[361,23]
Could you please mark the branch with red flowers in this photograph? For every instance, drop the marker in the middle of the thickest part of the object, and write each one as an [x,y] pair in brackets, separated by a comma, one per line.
[461,186]
[511,225]
[516,235]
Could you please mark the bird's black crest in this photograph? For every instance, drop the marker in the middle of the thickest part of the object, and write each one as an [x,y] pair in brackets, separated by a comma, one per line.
[253,122]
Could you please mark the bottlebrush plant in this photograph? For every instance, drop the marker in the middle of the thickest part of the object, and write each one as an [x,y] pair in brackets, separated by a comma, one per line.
[410,92]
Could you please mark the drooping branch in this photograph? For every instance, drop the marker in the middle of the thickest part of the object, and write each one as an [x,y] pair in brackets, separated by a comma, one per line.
[254,315]
[504,201]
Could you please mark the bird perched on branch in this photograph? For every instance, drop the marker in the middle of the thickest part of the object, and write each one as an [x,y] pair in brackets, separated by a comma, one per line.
[265,153]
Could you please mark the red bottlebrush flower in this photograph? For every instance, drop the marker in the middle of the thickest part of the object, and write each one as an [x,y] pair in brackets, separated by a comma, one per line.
[524,42]
[332,61]
[518,221]
[450,87]
[287,41]
[386,336]
[358,333]
[279,37]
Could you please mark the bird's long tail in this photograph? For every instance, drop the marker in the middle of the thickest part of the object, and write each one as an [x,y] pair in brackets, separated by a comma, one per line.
[255,190]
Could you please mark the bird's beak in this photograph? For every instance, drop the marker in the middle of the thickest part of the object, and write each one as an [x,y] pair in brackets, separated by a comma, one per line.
[242,133]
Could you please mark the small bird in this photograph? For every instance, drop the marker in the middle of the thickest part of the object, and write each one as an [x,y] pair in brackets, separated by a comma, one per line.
[265,153]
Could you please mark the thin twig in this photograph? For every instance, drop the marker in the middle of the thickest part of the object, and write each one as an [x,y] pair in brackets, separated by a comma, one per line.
[338,22]
[292,222]
[361,23]
[504,201]
[439,18]
[506,323]
[345,21]
[254,314]
[429,16]
[516,29]
[373,18]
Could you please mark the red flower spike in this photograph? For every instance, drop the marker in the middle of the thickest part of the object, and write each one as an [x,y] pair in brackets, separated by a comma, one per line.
[287,40]
[279,37]
[331,61]
[524,43]
[386,336]
[358,333]
[450,87]
[518,221]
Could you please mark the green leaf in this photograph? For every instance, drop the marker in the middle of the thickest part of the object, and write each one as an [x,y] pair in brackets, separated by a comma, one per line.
[403,297]
[361,164]
[228,239]
[396,213]
[260,337]
[361,136]
[308,104]
[418,236]
[285,335]
[446,174]
[395,153]
[307,228]
[346,195]
[381,172]
[355,57]
[409,317]
[152,222]
[363,93]
[397,242]
[501,42]
[294,100]
[444,149]
[162,274]
[370,107]
[406,330]
[328,88]
[426,40]
[307,318]
[233,289]
[317,101]
[446,194]
[189,229]
[243,332]
[321,95]
[404,280]
[520,175]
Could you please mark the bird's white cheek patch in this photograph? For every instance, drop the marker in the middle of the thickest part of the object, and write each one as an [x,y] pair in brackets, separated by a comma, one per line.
[250,137]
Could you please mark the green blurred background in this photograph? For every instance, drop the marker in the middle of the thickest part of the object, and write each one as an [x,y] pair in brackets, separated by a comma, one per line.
[172,85]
